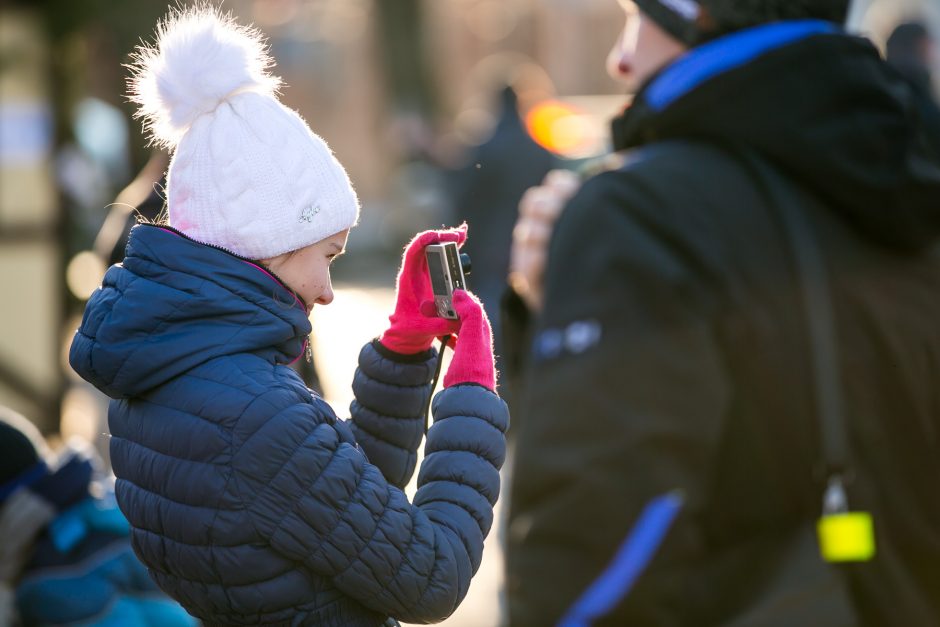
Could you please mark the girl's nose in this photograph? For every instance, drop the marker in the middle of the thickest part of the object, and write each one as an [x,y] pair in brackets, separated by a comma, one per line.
[326,297]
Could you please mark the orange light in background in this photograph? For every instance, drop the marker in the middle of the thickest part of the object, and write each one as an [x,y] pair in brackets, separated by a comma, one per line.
[559,127]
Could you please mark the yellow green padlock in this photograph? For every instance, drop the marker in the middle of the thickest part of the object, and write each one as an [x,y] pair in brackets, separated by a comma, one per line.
[844,536]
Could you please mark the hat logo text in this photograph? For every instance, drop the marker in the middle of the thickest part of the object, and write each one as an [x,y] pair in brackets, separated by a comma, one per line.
[308,214]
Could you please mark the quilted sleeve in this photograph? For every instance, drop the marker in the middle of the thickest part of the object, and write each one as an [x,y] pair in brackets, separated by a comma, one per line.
[391,393]
[327,507]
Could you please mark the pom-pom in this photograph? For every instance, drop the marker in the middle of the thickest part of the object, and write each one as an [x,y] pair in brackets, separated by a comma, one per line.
[201,58]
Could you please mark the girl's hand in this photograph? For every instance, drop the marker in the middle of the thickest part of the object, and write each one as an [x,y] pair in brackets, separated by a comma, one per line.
[473,352]
[414,323]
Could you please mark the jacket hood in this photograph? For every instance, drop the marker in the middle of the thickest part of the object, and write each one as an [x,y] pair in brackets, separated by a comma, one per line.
[819,104]
[175,303]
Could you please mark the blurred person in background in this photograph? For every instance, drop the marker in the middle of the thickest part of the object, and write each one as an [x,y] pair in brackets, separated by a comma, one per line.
[65,555]
[539,207]
[667,469]
[911,51]
[143,200]
[417,192]
[249,501]
[486,193]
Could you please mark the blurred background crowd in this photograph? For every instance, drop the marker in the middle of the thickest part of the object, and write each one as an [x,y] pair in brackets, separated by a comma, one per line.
[441,111]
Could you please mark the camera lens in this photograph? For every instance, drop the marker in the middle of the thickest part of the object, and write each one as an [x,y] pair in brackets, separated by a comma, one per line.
[465,263]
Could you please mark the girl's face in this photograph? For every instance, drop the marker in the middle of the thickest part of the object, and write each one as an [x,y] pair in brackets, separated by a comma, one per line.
[307,271]
[641,50]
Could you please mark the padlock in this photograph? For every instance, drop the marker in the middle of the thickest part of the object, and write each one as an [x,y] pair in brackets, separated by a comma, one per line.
[844,536]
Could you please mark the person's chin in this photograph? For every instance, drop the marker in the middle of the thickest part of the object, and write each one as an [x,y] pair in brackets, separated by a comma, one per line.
[631,86]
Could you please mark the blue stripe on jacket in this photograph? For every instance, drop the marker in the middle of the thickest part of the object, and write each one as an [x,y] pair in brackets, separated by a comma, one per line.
[727,53]
[632,558]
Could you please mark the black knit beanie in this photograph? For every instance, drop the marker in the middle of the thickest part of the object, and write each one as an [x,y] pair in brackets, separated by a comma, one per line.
[695,21]
[19,448]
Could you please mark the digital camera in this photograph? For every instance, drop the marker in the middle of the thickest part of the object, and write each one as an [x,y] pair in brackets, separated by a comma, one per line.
[448,269]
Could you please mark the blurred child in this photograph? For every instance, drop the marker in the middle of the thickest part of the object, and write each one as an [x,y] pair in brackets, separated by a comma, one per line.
[66,558]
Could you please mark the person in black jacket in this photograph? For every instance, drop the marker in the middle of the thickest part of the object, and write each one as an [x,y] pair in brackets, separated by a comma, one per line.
[910,51]
[669,449]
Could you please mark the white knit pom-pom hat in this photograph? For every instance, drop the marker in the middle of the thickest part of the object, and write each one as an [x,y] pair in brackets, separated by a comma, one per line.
[247,173]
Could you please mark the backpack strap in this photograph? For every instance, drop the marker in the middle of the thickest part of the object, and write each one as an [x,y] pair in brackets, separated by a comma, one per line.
[812,274]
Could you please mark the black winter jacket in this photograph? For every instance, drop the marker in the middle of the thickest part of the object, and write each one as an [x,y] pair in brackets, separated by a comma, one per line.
[668,448]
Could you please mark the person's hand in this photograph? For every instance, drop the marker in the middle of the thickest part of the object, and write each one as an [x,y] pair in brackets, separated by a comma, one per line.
[414,323]
[473,352]
[538,210]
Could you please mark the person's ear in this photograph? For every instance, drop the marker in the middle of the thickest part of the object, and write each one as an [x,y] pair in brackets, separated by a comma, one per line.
[705,23]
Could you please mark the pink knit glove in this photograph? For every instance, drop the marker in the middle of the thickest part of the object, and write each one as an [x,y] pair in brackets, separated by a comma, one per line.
[473,353]
[414,323]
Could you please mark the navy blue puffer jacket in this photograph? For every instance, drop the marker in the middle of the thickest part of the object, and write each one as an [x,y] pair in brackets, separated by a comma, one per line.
[250,501]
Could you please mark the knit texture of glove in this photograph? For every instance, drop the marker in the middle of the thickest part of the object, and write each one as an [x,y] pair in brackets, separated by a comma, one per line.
[473,352]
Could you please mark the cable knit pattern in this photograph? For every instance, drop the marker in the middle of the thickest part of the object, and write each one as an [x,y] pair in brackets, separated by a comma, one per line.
[252,178]
[249,501]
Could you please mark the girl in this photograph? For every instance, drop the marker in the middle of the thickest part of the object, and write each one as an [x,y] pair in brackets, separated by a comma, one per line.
[250,501]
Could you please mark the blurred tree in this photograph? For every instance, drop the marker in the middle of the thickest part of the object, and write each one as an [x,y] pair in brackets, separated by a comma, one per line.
[90,40]
[402,46]
[57,53]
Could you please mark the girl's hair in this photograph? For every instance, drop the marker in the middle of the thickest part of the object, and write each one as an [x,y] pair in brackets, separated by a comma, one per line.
[162,219]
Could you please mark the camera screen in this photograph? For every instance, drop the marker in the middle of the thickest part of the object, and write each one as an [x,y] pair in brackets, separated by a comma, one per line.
[436,268]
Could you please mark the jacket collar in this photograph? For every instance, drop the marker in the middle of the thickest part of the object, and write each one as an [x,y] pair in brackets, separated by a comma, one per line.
[175,303]
[705,63]
[821,106]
